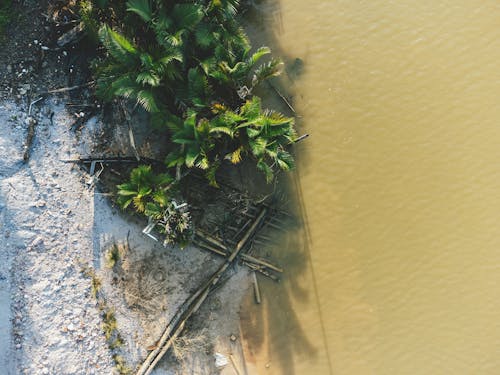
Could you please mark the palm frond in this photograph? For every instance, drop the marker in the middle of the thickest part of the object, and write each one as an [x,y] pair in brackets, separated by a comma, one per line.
[268,172]
[147,100]
[268,70]
[118,46]
[257,55]
[148,78]
[285,160]
[204,36]
[143,8]
[187,16]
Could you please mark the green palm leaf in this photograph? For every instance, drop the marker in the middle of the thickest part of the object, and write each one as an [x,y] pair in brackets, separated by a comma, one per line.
[118,46]
[147,100]
[268,172]
[257,55]
[143,8]
[268,70]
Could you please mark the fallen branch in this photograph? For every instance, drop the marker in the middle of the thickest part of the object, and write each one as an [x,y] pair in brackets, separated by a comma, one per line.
[261,270]
[223,250]
[282,97]
[112,159]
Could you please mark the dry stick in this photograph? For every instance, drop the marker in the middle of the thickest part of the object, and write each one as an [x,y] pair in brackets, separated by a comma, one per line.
[282,97]
[234,364]
[256,289]
[260,262]
[246,257]
[193,303]
[301,138]
[261,270]
[114,159]
[224,249]
[71,88]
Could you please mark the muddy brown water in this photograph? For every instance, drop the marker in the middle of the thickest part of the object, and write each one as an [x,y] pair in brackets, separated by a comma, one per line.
[396,268]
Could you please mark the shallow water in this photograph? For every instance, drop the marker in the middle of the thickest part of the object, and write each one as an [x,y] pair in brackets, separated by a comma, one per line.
[396,268]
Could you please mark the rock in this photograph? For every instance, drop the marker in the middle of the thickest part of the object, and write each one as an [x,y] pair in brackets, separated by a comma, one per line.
[232,337]
[220,360]
[45,371]
[71,327]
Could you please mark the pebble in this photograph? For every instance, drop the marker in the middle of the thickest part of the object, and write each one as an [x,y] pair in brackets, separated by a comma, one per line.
[71,327]
[45,371]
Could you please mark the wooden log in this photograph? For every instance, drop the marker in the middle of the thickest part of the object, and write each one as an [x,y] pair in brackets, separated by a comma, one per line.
[223,249]
[192,304]
[256,289]
[261,262]
[261,270]
[210,248]
[210,239]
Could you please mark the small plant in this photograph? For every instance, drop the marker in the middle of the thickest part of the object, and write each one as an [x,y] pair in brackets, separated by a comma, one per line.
[121,365]
[173,221]
[112,256]
[109,324]
[95,284]
[151,195]
[143,187]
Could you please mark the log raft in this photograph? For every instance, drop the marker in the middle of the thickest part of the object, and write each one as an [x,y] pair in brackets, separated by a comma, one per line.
[192,304]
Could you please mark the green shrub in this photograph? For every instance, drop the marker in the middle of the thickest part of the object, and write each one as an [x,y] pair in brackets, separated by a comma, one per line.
[5,14]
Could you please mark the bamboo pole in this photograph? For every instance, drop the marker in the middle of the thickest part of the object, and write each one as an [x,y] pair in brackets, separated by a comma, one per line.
[261,270]
[192,304]
[247,257]
[252,259]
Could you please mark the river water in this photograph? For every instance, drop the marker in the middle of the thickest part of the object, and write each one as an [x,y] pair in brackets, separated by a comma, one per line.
[396,266]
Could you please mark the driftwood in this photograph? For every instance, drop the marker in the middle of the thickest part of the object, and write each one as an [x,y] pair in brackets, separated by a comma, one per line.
[262,270]
[193,303]
[221,249]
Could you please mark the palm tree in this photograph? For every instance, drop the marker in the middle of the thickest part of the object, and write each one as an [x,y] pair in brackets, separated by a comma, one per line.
[264,135]
[144,187]
[134,74]
[196,146]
